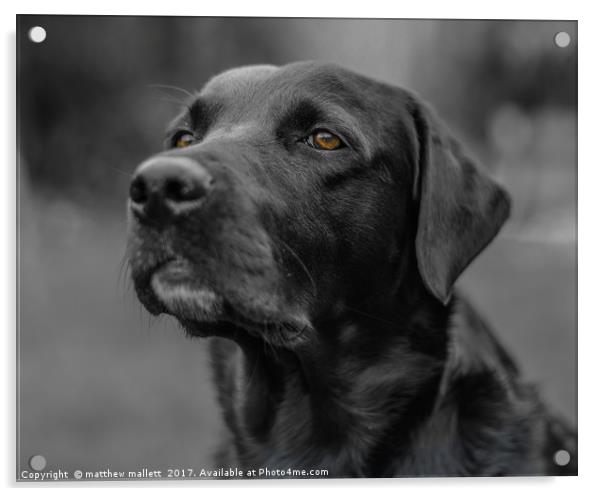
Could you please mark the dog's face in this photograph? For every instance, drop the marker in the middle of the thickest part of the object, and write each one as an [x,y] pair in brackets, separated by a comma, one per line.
[287,195]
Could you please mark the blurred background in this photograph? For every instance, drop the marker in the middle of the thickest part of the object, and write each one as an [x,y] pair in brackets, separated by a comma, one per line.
[104,386]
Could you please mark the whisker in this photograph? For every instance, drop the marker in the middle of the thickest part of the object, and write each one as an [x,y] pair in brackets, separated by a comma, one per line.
[121,171]
[248,385]
[302,264]
[168,98]
[123,270]
[374,317]
[171,87]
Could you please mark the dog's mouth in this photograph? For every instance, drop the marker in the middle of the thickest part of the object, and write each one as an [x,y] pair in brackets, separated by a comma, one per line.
[204,311]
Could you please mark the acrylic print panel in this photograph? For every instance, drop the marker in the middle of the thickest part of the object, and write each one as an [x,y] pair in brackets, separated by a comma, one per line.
[233,264]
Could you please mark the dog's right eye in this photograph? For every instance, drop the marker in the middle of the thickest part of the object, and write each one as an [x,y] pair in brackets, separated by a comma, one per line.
[324,140]
[183,139]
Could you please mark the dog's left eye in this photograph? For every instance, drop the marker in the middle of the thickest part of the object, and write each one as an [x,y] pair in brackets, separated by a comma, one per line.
[324,140]
[183,139]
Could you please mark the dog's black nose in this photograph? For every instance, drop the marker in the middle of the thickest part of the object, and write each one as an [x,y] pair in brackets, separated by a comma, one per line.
[169,185]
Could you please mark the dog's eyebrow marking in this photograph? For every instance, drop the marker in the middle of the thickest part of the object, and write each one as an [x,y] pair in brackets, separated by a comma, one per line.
[201,113]
[301,116]
[304,114]
[197,116]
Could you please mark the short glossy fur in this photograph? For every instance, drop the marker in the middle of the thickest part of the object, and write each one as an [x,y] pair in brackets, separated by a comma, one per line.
[325,280]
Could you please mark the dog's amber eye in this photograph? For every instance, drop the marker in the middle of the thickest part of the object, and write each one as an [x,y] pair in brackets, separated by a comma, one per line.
[325,140]
[183,139]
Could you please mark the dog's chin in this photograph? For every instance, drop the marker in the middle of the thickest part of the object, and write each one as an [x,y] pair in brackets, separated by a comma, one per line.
[187,302]
[203,312]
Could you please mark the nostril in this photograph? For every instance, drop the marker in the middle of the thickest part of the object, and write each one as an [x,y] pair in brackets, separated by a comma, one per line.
[138,191]
[181,190]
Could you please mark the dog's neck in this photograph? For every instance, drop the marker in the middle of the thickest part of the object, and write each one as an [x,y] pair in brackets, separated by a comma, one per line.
[355,391]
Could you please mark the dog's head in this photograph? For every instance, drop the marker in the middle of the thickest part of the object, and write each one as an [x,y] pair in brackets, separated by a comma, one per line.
[286,195]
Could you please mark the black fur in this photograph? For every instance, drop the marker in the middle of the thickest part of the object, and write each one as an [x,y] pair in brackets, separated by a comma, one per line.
[337,342]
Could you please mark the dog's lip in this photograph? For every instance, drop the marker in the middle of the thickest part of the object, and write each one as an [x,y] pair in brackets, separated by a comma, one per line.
[278,334]
[174,270]
[174,285]
[195,304]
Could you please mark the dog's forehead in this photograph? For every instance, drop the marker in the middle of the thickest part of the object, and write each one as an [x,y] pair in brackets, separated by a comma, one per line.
[239,80]
[322,80]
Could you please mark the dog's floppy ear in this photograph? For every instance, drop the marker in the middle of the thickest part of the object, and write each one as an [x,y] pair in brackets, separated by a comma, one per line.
[461,208]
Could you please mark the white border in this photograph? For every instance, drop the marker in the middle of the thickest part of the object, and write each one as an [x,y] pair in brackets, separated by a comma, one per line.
[590,226]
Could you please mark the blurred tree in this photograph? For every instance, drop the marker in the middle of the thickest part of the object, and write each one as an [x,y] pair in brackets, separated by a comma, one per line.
[470,68]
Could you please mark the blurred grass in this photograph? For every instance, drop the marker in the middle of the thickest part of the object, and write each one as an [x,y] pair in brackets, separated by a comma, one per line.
[102,385]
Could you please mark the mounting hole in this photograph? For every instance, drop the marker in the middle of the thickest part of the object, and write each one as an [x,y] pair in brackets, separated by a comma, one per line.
[37,34]
[562,458]
[562,39]
[37,462]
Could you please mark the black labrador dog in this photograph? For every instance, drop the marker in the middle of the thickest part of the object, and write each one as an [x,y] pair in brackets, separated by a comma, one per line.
[318,220]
